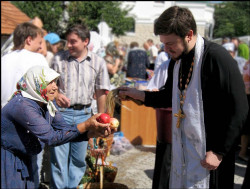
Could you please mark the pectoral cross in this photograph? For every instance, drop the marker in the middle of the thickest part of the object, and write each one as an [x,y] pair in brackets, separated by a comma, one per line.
[179,116]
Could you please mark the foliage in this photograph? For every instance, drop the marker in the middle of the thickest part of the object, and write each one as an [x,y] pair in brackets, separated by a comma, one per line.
[90,12]
[93,12]
[50,12]
[232,18]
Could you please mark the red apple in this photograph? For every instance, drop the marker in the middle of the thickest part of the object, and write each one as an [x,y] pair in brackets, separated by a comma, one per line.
[103,118]
[114,123]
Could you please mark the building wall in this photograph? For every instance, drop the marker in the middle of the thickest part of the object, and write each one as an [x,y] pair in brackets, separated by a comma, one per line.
[142,33]
[145,13]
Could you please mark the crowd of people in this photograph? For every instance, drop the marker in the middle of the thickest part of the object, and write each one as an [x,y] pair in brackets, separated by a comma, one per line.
[52,90]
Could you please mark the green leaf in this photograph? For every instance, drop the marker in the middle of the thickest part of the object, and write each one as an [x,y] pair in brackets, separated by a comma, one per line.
[232,19]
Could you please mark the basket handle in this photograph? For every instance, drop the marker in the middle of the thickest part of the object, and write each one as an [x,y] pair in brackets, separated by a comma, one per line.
[101,177]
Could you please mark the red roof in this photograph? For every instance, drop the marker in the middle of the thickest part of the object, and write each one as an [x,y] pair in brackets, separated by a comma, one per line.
[11,16]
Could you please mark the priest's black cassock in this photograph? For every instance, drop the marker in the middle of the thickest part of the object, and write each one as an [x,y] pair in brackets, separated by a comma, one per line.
[224,103]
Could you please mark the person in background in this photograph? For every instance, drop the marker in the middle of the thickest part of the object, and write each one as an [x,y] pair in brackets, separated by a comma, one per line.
[83,73]
[8,45]
[161,57]
[164,124]
[45,52]
[137,63]
[153,53]
[54,40]
[225,40]
[204,81]
[27,39]
[243,50]
[114,65]
[235,41]
[246,129]
[146,47]
[230,47]
[245,137]
[30,120]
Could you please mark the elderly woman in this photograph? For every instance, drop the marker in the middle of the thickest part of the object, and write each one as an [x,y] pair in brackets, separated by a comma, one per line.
[30,120]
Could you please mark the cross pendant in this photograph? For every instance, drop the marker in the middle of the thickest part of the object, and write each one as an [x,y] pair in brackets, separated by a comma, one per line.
[179,116]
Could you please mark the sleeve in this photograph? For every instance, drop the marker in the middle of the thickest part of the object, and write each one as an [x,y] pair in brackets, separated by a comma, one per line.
[102,80]
[32,120]
[224,100]
[7,80]
[44,62]
[160,77]
[162,98]
[154,51]
[157,62]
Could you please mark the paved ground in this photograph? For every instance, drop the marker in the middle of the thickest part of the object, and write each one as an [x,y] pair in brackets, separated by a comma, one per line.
[136,166]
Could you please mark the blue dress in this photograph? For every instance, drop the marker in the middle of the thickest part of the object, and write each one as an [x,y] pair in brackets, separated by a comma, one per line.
[25,129]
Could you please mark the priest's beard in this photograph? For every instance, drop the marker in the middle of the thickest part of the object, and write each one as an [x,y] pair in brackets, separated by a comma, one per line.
[184,52]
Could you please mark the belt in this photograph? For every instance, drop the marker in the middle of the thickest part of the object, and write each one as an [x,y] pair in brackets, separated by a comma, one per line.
[79,106]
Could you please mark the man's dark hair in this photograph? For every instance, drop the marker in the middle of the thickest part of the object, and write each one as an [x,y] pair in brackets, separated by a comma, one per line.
[175,20]
[22,31]
[79,29]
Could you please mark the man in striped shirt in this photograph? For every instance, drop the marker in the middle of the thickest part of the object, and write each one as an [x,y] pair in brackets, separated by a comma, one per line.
[83,73]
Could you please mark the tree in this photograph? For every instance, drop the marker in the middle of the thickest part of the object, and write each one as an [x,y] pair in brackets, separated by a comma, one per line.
[90,12]
[232,19]
[50,12]
[93,12]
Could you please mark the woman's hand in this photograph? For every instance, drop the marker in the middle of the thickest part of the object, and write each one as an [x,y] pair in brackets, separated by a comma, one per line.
[94,128]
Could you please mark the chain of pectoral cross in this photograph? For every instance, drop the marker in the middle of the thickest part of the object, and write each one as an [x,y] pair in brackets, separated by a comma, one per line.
[180,115]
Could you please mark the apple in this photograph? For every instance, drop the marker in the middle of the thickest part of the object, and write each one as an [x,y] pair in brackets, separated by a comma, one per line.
[114,123]
[103,118]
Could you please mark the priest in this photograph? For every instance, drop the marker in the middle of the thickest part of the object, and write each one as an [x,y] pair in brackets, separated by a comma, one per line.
[209,105]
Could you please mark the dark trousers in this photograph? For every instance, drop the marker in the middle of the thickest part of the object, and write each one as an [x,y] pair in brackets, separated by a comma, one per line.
[162,165]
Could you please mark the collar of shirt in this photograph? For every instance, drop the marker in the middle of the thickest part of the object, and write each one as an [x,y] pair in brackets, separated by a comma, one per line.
[88,57]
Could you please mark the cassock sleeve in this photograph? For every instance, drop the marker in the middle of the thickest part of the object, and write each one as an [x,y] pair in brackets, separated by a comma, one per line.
[224,99]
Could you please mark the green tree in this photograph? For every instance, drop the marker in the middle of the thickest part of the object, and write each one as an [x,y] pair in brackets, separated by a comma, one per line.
[93,12]
[232,19]
[90,12]
[50,12]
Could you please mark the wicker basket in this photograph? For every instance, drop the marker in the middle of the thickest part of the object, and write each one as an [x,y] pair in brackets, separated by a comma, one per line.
[108,181]
[109,174]
[109,141]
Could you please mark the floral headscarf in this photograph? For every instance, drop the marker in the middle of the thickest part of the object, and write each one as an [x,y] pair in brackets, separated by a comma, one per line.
[33,85]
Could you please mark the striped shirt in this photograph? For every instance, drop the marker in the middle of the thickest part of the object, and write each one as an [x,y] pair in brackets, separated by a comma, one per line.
[79,80]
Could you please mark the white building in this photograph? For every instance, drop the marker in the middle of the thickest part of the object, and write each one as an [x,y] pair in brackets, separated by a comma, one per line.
[145,13]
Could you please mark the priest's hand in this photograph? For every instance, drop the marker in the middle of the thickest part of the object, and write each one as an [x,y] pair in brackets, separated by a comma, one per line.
[127,93]
[211,161]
